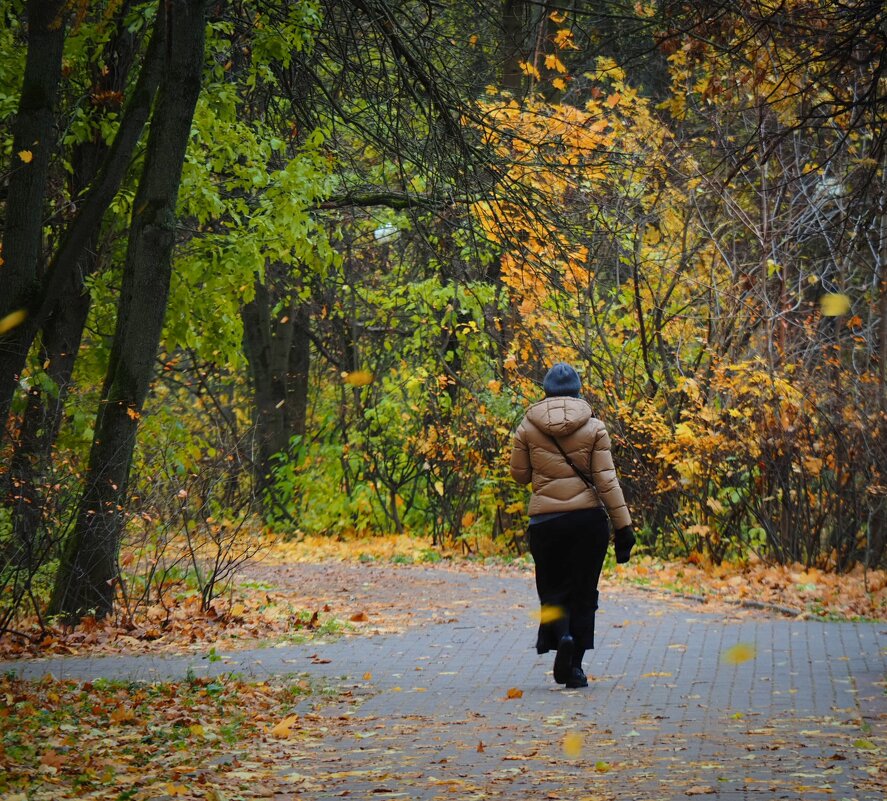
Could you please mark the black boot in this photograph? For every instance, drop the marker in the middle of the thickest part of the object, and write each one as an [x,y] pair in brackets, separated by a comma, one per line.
[577,676]
[564,660]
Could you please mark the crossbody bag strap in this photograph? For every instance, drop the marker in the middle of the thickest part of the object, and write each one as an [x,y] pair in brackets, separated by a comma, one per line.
[588,482]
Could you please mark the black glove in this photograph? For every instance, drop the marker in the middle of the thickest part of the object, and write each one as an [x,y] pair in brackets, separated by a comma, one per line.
[624,541]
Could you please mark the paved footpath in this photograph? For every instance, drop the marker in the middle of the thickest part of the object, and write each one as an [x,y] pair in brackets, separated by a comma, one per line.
[665,717]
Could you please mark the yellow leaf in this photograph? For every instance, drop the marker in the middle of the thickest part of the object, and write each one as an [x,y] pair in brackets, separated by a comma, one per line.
[237,610]
[367,676]
[655,674]
[284,729]
[552,62]
[529,69]
[739,653]
[613,99]
[514,692]
[865,745]
[560,84]
[557,17]
[26,156]
[196,730]
[572,744]
[13,320]
[439,487]
[564,39]
[176,789]
[122,715]
[834,304]
[602,767]
[549,613]
[358,378]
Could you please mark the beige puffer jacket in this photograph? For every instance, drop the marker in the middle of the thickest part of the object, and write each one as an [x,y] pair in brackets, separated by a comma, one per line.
[556,487]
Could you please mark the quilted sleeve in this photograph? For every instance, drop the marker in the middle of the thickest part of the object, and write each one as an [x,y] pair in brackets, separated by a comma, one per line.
[603,472]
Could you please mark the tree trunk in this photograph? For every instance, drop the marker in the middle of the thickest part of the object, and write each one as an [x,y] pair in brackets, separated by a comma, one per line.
[62,332]
[882,304]
[278,352]
[43,298]
[88,570]
[514,14]
[297,374]
[34,139]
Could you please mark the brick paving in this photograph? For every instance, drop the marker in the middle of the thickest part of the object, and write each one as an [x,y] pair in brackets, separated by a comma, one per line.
[664,717]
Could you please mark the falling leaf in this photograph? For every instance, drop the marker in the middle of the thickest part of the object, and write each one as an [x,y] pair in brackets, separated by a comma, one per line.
[284,729]
[367,676]
[132,413]
[834,304]
[514,692]
[549,613]
[602,767]
[358,378]
[572,744]
[13,320]
[26,156]
[739,653]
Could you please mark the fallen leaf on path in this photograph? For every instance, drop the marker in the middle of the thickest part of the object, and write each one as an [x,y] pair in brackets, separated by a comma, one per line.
[52,759]
[514,692]
[284,729]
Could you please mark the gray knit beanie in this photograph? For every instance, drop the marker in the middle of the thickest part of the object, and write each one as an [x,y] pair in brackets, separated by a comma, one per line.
[561,380]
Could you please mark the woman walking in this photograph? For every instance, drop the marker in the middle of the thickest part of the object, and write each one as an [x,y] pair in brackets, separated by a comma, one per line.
[564,450]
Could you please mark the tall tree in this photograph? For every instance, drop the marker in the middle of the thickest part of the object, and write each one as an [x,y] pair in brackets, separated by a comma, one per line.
[62,331]
[86,577]
[34,140]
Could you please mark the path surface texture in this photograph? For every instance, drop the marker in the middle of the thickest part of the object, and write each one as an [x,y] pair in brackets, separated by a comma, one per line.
[666,715]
